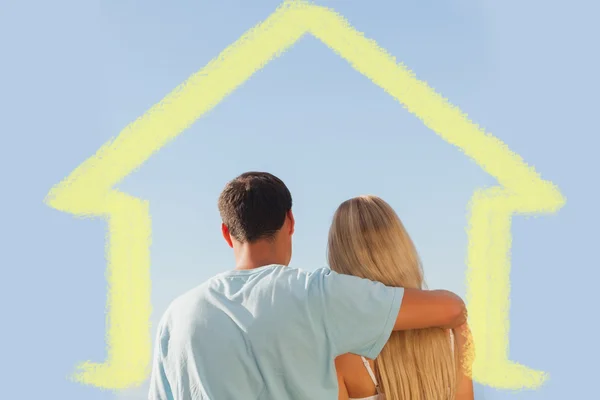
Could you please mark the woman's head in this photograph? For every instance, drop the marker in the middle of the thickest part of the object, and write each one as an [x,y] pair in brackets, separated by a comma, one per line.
[368,240]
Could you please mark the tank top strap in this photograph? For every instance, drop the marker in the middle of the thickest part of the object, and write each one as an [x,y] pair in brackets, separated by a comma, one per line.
[371,373]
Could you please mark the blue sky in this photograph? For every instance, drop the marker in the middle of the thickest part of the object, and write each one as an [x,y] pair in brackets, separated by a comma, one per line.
[73,74]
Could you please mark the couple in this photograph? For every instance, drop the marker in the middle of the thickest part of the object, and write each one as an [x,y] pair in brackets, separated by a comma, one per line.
[361,329]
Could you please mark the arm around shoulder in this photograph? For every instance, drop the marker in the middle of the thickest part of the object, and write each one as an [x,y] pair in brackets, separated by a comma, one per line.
[422,309]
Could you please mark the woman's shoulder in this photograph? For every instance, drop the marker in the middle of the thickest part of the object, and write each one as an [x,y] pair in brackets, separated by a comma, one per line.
[351,364]
[352,370]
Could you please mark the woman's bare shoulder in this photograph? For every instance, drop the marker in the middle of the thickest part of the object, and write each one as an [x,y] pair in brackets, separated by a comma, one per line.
[351,369]
[347,360]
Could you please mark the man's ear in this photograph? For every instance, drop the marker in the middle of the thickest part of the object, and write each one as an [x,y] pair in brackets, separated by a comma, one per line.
[290,215]
[226,235]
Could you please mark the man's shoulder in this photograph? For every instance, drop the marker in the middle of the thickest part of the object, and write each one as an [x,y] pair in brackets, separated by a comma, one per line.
[305,273]
[186,300]
[303,277]
[314,276]
[229,282]
[314,284]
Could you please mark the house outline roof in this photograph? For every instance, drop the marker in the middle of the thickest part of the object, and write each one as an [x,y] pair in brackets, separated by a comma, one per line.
[89,190]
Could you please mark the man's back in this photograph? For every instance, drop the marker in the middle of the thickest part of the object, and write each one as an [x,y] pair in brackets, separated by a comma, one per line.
[269,333]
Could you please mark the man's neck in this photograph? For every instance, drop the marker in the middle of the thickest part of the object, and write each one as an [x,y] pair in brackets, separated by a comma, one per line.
[256,255]
[245,265]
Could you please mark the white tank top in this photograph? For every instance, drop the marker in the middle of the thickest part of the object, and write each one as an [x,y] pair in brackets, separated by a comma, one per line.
[379,395]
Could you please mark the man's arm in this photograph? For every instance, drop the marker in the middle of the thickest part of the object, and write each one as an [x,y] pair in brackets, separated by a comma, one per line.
[359,314]
[430,309]
[160,388]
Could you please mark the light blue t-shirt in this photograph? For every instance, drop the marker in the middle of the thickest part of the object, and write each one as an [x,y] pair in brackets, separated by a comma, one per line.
[271,333]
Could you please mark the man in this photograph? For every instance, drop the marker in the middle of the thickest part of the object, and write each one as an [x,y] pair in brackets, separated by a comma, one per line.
[265,331]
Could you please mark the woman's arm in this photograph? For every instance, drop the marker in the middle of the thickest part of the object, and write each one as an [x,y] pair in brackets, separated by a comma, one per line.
[466,354]
[342,390]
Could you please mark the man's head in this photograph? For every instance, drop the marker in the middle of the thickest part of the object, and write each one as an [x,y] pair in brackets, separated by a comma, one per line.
[256,210]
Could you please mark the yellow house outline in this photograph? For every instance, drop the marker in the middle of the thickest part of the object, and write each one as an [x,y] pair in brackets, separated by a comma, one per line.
[89,190]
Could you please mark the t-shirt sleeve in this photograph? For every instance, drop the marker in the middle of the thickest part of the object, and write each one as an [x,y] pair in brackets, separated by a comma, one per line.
[358,314]
[160,389]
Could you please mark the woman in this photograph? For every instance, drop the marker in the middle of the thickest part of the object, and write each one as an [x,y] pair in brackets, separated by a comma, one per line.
[367,239]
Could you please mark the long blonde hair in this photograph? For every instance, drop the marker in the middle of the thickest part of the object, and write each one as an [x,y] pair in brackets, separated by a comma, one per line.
[367,239]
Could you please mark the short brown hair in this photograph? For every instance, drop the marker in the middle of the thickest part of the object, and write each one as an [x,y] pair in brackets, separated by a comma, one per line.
[254,205]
